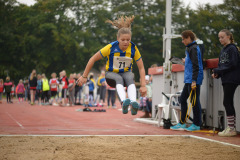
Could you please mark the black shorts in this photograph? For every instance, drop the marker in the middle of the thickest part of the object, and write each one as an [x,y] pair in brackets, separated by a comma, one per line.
[53,93]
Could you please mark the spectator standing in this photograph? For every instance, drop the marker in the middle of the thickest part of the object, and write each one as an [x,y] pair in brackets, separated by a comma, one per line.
[54,88]
[46,89]
[111,96]
[20,90]
[229,72]
[91,85]
[71,89]
[1,89]
[98,91]
[13,89]
[77,89]
[8,88]
[26,86]
[33,86]
[39,89]
[103,88]
[64,82]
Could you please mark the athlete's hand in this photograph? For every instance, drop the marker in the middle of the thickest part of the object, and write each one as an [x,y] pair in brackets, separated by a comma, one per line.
[143,91]
[81,80]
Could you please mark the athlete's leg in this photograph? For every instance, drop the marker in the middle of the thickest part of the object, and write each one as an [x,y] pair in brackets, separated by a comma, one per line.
[131,88]
[119,84]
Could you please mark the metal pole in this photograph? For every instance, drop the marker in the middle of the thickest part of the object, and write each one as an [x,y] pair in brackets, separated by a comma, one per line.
[167,52]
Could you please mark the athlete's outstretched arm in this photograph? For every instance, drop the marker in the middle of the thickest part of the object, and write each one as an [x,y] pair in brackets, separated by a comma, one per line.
[83,79]
[143,89]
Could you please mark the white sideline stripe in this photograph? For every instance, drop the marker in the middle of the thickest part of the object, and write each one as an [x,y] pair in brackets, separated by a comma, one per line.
[190,136]
[15,120]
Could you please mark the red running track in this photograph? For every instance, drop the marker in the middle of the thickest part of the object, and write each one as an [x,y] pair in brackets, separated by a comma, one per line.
[24,119]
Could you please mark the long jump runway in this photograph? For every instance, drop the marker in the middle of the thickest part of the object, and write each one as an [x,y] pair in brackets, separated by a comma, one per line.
[19,119]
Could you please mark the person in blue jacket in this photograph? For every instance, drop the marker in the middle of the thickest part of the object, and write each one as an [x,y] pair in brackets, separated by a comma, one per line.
[229,72]
[193,77]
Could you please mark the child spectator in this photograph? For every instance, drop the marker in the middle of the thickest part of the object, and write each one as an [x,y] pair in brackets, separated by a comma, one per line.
[98,91]
[26,89]
[60,87]
[64,82]
[71,88]
[46,88]
[33,85]
[77,89]
[1,90]
[39,88]
[111,96]
[54,88]
[102,81]
[146,102]
[91,86]
[20,90]
[8,88]
[12,89]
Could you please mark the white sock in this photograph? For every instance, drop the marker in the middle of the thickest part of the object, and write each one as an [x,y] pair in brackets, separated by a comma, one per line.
[121,92]
[131,90]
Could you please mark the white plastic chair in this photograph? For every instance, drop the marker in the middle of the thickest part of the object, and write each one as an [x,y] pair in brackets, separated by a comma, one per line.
[170,103]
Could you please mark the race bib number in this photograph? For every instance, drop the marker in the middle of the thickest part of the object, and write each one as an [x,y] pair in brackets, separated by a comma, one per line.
[54,86]
[121,62]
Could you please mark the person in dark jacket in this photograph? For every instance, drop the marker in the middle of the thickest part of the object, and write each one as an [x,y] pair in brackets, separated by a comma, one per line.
[8,88]
[33,85]
[229,72]
[193,77]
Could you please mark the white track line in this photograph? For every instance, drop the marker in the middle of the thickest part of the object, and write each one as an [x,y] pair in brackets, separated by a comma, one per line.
[211,140]
[190,136]
[15,120]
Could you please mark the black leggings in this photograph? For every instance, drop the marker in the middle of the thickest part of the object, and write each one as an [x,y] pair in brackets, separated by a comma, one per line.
[8,95]
[229,90]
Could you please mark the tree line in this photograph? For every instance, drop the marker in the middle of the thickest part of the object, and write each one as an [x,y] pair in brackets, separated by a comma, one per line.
[63,34]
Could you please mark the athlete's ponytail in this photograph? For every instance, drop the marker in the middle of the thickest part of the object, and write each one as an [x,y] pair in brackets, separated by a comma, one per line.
[123,24]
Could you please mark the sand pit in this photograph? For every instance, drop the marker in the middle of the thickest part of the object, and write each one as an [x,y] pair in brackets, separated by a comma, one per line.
[113,147]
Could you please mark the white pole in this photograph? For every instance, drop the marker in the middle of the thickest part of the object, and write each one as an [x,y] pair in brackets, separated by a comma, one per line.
[167,52]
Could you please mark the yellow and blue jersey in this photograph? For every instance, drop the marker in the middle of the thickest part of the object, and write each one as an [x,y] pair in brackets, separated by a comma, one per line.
[117,60]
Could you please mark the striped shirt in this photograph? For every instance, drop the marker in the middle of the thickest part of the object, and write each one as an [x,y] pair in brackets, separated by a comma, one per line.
[117,60]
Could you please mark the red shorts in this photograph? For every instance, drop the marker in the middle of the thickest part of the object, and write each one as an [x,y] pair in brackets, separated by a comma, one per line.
[33,88]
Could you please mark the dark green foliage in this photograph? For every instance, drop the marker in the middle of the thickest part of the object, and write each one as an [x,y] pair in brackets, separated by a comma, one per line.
[63,34]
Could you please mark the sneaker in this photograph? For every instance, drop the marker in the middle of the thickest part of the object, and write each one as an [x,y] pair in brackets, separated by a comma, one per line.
[178,127]
[228,132]
[134,107]
[193,127]
[125,105]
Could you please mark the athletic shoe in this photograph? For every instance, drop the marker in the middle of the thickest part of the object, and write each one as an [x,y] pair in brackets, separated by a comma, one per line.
[193,127]
[178,127]
[134,107]
[228,132]
[125,105]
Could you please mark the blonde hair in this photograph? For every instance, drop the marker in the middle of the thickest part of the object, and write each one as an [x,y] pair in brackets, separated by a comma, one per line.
[8,78]
[123,24]
[1,80]
[228,33]
[20,81]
